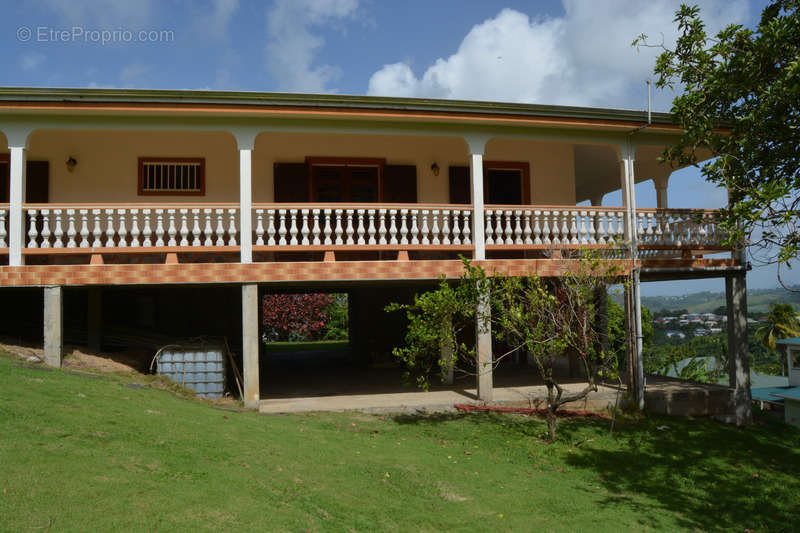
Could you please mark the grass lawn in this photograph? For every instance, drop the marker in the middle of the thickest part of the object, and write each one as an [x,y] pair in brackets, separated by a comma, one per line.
[286,347]
[81,452]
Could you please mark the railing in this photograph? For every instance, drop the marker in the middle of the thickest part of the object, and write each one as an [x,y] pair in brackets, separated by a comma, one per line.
[400,226]
[53,226]
[660,232]
[3,226]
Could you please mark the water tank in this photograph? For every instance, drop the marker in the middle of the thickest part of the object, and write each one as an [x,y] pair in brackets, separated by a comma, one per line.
[201,368]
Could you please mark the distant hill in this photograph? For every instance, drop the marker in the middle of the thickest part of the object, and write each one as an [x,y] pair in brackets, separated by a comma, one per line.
[758,300]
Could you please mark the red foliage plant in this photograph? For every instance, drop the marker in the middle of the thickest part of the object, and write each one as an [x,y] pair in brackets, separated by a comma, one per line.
[294,317]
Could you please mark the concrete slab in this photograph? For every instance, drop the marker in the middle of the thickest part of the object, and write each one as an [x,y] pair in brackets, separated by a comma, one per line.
[434,401]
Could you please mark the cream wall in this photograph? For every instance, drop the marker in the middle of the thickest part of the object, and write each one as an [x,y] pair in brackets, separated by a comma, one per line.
[107,169]
[552,167]
[108,162]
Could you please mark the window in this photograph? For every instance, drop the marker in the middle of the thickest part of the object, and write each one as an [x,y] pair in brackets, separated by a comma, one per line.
[172,176]
[504,183]
[336,179]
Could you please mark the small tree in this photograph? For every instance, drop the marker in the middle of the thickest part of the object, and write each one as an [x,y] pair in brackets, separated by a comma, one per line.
[546,318]
[780,323]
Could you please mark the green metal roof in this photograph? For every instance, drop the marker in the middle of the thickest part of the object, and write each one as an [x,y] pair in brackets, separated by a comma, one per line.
[46,94]
[793,341]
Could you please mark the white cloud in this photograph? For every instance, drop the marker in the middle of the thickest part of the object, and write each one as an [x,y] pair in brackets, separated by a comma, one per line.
[31,60]
[582,58]
[212,21]
[102,14]
[132,75]
[291,47]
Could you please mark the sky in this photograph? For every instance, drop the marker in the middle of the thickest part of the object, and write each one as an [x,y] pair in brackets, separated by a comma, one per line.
[569,52]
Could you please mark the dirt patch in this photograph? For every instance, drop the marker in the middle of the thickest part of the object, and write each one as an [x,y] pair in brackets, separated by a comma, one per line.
[79,360]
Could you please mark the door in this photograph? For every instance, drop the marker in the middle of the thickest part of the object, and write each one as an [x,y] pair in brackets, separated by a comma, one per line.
[504,183]
[37,185]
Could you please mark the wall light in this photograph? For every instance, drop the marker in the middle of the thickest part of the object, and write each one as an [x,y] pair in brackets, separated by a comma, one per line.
[435,169]
[71,164]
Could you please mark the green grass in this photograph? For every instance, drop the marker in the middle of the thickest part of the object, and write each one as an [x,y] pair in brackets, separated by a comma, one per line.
[285,347]
[81,453]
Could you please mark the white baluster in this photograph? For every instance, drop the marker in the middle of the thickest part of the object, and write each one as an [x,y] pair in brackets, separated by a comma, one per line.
[424,231]
[403,227]
[555,227]
[159,228]
[527,231]
[304,230]
[508,230]
[45,228]
[537,228]
[123,232]
[435,227]
[32,233]
[147,231]
[349,231]
[338,228]
[196,227]
[600,230]
[259,227]
[361,231]
[135,228]
[518,227]
[208,230]
[393,226]
[489,227]
[414,229]
[382,227]
[110,231]
[371,226]
[565,227]
[328,230]
[232,227]
[220,228]
[583,230]
[71,229]
[171,229]
[3,233]
[271,227]
[184,227]
[466,232]
[546,231]
[58,231]
[573,228]
[446,226]
[456,226]
[316,230]
[84,231]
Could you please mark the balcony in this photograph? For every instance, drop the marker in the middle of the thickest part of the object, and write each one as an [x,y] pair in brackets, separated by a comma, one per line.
[210,232]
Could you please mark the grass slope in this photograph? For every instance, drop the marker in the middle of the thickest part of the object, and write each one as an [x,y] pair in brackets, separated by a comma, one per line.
[82,453]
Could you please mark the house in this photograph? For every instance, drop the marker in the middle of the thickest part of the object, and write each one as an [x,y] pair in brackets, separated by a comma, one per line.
[791,394]
[673,333]
[183,192]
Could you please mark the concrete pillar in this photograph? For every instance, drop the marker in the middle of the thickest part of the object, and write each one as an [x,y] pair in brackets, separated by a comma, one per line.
[53,325]
[16,218]
[483,345]
[738,358]
[446,356]
[95,319]
[478,233]
[661,191]
[246,205]
[633,328]
[250,345]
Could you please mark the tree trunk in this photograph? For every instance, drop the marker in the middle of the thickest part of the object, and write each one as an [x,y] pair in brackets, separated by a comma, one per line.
[551,411]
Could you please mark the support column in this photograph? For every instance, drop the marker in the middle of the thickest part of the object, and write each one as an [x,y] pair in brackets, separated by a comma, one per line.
[250,345]
[53,326]
[483,345]
[16,218]
[95,319]
[446,355]
[661,191]
[738,358]
[478,233]
[246,205]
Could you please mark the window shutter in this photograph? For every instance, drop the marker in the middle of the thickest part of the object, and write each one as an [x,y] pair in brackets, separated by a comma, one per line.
[459,186]
[400,184]
[291,182]
[37,182]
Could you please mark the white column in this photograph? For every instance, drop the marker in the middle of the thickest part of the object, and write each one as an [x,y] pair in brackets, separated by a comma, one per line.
[483,345]
[661,191]
[478,233]
[53,325]
[16,218]
[246,205]
[250,345]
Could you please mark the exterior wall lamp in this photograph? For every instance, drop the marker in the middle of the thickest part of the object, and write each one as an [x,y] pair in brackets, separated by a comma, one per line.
[435,169]
[71,164]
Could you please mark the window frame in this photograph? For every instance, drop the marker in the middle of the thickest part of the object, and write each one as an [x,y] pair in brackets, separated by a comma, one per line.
[140,182]
[376,162]
[525,182]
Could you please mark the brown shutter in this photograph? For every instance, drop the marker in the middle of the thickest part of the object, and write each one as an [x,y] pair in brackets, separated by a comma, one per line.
[400,184]
[37,182]
[291,182]
[459,186]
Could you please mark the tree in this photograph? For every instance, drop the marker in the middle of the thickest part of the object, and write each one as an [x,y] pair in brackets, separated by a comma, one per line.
[294,317]
[781,323]
[741,100]
[546,318]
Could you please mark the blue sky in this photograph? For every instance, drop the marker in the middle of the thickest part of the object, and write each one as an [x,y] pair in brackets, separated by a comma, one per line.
[575,52]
